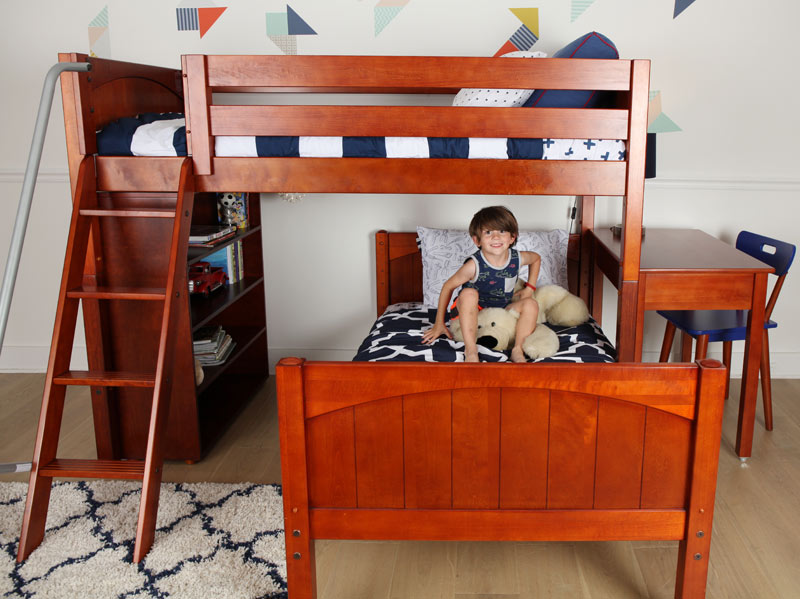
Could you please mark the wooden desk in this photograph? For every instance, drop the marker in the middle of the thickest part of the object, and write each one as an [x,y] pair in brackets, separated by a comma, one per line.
[687,269]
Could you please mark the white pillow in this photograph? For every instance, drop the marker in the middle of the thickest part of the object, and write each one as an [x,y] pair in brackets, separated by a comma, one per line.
[444,251]
[497,97]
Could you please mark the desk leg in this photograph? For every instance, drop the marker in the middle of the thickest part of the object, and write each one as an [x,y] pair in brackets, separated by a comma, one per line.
[752,360]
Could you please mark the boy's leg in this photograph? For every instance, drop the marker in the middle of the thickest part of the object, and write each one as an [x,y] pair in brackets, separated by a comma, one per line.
[528,309]
[468,315]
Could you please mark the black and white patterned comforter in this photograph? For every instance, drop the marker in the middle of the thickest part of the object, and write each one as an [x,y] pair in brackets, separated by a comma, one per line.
[397,336]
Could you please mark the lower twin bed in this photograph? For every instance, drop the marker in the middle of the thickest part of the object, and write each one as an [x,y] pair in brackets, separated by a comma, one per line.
[485,451]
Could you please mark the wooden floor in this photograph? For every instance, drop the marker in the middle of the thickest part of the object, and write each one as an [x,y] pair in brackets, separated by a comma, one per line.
[755,545]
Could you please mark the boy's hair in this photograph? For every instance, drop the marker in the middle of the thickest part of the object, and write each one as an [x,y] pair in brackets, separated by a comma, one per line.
[494,218]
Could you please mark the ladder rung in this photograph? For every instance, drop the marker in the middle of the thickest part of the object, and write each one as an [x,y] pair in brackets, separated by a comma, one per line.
[123,293]
[126,469]
[105,378]
[130,212]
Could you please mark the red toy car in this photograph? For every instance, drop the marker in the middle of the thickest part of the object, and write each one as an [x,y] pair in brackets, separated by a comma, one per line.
[204,278]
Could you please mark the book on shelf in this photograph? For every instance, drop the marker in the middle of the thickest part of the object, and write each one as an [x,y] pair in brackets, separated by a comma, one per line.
[207,233]
[211,345]
[229,259]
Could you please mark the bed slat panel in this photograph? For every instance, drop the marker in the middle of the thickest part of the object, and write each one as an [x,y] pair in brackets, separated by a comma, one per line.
[476,448]
[419,121]
[571,461]
[416,175]
[620,446]
[379,453]
[330,450]
[394,74]
[665,467]
[427,427]
[523,448]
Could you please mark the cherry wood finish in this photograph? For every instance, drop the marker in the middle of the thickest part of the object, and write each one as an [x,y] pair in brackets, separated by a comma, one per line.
[486,452]
[687,269]
[87,216]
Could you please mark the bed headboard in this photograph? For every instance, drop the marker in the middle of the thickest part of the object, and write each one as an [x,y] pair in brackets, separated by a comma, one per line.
[398,265]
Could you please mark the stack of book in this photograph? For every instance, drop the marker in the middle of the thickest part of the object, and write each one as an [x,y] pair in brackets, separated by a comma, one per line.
[210,235]
[212,345]
[230,259]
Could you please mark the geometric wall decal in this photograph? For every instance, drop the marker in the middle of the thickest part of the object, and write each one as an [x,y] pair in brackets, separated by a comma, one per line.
[284,27]
[527,34]
[657,121]
[198,15]
[99,37]
[385,11]
[578,7]
[680,6]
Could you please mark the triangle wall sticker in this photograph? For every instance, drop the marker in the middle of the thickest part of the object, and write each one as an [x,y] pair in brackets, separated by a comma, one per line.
[579,7]
[529,18]
[208,16]
[296,25]
[101,20]
[680,6]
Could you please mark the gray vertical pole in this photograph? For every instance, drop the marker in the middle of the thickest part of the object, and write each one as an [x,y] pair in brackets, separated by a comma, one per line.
[28,185]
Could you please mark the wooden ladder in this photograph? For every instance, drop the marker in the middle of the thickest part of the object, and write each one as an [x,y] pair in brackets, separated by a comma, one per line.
[46,465]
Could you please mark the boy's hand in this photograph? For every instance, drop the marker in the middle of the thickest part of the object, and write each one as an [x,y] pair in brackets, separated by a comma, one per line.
[433,333]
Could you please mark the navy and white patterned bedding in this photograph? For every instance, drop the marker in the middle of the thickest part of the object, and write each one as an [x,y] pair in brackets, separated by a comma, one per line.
[397,336]
[165,135]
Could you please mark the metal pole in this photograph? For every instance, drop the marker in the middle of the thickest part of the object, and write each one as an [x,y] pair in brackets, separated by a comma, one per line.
[28,185]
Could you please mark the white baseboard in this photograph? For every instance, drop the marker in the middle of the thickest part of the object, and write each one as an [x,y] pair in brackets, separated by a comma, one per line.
[784,365]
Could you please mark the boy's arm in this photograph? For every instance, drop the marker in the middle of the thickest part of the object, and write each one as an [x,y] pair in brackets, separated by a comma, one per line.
[534,262]
[462,275]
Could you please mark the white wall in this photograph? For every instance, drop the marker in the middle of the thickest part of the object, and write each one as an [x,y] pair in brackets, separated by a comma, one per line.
[726,70]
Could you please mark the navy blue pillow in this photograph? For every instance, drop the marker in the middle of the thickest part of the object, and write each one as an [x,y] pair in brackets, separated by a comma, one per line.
[590,45]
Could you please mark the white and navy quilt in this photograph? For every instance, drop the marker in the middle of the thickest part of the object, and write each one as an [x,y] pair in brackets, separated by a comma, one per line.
[165,135]
[397,336]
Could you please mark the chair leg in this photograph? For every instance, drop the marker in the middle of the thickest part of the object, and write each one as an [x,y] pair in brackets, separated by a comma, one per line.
[686,347]
[666,345]
[766,382]
[702,347]
[727,350]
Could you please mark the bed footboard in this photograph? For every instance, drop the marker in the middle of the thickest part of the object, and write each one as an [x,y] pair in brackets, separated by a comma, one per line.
[489,452]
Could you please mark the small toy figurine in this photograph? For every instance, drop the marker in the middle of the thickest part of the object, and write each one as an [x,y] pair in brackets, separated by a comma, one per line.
[232,209]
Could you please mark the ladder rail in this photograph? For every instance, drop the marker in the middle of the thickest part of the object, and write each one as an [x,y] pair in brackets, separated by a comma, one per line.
[24,206]
[28,186]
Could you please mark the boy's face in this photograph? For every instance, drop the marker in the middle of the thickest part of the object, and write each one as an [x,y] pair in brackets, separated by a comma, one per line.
[494,241]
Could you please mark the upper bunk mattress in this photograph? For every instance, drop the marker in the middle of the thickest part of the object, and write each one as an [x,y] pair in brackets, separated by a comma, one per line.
[165,135]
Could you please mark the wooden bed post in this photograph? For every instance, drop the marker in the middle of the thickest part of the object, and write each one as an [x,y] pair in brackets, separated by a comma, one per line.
[301,570]
[381,262]
[197,98]
[629,308]
[694,548]
[590,282]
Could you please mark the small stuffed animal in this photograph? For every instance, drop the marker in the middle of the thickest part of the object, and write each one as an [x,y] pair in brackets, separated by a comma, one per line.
[559,306]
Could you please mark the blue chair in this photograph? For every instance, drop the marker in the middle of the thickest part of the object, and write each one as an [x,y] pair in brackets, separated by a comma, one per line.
[731,325]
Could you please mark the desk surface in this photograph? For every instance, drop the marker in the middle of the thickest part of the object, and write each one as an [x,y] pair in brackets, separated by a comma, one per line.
[682,249]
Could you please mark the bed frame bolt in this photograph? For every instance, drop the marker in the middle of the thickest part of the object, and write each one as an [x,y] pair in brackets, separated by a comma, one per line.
[701,534]
[296,533]
[697,556]
[297,555]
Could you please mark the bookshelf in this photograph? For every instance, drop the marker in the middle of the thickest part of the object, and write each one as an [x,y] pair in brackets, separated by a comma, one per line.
[127,335]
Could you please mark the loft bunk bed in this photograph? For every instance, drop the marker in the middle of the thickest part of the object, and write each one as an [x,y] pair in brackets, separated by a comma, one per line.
[415,451]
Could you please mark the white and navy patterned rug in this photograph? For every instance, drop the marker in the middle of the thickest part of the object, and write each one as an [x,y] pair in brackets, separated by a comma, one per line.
[212,540]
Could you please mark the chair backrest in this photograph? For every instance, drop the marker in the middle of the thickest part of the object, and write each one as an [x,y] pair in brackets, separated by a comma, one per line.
[778,254]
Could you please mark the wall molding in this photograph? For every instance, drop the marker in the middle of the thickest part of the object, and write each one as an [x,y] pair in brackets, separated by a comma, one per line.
[8,175]
[725,184]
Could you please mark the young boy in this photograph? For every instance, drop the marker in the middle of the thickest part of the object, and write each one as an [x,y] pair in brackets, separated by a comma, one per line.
[488,277]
